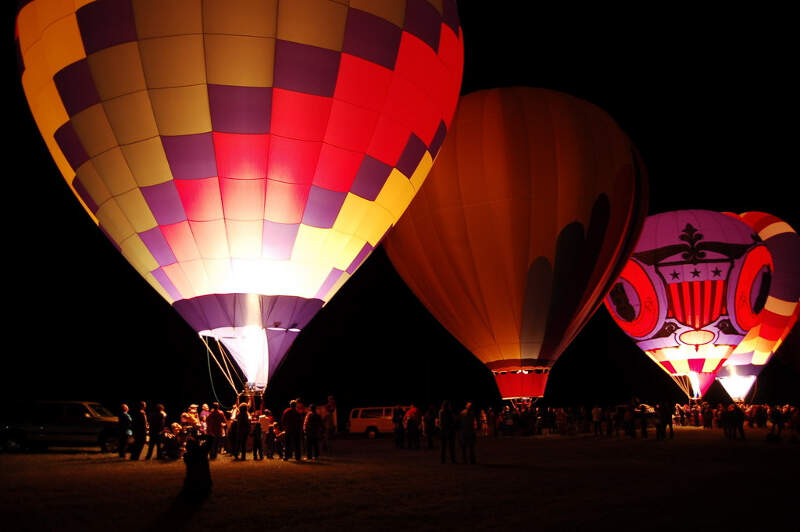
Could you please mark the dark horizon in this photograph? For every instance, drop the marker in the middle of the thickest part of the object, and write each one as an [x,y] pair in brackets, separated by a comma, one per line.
[703,102]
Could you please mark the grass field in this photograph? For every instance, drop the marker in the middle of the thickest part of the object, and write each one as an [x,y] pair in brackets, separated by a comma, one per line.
[697,481]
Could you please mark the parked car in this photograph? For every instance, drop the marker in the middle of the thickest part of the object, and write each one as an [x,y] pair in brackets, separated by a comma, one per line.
[39,424]
[372,420]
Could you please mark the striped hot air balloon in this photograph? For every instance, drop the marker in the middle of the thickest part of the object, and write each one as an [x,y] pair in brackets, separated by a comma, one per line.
[696,284]
[245,156]
[780,311]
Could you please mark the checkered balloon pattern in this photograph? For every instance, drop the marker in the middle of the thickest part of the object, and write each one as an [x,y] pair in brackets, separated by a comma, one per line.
[245,156]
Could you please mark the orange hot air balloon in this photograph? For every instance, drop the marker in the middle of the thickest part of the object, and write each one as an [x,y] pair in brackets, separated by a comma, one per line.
[530,213]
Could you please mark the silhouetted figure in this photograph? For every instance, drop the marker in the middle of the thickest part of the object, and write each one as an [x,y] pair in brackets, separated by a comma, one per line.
[643,420]
[447,431]
[197,484]
[429,425]
[667,417]
[466,433]
[258,445]
[124,428]
[597,420]
[269,440]
[661,423]
[292,422]
[242,431]
[313,429]
[214,430]
[139,428]
[399,432]
[411,422]
[156,421]
[737,420]
[776,418]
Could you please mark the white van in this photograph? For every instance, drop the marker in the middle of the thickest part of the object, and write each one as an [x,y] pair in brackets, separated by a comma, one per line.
[372,420]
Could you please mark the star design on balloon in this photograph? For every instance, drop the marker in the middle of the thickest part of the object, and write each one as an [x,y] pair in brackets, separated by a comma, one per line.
[675,275]
[695,273]
[716,271]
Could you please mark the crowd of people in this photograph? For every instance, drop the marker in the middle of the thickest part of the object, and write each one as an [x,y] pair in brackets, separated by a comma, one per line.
[445,424]
[213,431]
[303,431]
[632,419]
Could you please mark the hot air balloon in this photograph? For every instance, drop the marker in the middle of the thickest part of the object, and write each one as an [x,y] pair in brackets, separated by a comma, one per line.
[529,215]
[244,156]
[780,310]
[695,285]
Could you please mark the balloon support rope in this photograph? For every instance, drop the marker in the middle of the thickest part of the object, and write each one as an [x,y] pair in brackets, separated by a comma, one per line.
[211,355]
[229,363]
[211,380]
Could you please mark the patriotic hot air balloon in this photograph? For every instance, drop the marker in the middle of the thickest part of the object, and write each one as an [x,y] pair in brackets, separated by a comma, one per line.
[529,215]
[695,285]
[244,156]
[780,310]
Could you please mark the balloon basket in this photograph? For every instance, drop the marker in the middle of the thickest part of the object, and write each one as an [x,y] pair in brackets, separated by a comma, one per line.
[253,395]
[523,402]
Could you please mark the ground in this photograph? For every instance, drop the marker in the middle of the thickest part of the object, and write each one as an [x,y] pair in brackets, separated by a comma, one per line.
[696,481]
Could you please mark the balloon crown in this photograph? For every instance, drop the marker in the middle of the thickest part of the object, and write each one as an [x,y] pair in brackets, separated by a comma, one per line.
[694,250]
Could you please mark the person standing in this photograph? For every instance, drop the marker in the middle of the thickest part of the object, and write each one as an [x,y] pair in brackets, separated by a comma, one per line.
[197,483]
[447,431]
[292,423]
[330,422]
[124,428]
[242,432]
[156,421]
[215,423]
[258,448]
[597,420]
[491,423]
[466,433]
[399,432]
[429,425]
[313,429]
[411,422]
[269,440]
[139,428]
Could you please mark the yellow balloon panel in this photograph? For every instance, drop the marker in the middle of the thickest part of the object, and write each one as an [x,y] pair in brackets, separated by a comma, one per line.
[257,146]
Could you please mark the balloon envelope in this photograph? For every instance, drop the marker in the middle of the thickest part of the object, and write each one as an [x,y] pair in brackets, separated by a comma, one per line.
[780,311]
[530,211]
[245,157]
[693,288]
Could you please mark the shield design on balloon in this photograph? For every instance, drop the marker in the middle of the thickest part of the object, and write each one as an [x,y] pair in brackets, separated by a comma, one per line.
[697,282]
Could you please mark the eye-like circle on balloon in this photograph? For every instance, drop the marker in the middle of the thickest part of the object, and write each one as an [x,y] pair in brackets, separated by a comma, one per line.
[752,287]
[634,302]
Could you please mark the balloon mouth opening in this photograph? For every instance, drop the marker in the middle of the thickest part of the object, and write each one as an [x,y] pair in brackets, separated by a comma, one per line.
[737,386]
[521,383]
[249,348]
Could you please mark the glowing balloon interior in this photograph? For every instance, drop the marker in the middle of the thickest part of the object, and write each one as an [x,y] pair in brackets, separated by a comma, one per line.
[532,209]
[696,284]
[245,157]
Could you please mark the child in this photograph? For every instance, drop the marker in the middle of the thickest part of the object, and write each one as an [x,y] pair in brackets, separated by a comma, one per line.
[280,441]
[258,451]
[269,440]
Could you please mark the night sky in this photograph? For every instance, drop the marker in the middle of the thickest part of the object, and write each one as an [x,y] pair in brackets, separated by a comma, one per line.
[705,98]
